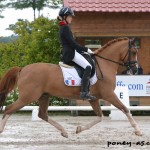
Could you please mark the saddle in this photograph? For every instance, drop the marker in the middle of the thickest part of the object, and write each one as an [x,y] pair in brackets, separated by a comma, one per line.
[79,69]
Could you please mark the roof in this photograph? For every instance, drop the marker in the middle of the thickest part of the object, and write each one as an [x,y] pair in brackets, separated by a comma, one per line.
[109,5]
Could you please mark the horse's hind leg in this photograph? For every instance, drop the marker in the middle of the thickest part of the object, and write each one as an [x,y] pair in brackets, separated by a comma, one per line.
[43,114]
[96,107]
[3,122]
[10,110]
[26,96]
[117,103]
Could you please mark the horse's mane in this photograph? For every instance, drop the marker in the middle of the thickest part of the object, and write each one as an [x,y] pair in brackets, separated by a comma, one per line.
[110,43]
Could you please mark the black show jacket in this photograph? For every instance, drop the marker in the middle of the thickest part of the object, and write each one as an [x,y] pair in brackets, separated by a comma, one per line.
[69,45]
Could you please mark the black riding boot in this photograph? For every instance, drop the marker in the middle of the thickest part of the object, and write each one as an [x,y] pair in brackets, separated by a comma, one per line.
[85,83]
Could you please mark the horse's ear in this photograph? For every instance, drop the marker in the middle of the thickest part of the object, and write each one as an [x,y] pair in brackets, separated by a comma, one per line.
[133,41]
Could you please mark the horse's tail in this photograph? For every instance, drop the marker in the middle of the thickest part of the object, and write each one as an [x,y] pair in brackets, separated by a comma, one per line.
[7,84]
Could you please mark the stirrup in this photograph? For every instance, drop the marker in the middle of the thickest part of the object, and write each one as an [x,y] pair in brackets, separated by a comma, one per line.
[87,96]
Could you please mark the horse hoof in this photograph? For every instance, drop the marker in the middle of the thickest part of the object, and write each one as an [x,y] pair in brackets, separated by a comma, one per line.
[64,135]
[138,133]
[78,129]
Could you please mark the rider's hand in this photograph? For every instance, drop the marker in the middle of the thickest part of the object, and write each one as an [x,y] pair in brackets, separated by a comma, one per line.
[90,51]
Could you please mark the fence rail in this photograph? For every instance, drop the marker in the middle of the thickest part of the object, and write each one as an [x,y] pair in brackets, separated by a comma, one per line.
[84,108]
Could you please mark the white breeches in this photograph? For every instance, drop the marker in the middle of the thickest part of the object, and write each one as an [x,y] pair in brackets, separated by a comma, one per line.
[80,60]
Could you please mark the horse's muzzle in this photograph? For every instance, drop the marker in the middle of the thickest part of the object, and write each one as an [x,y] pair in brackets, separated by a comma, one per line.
[134,70]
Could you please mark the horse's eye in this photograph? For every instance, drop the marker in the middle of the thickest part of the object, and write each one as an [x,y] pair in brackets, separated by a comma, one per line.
[134,52]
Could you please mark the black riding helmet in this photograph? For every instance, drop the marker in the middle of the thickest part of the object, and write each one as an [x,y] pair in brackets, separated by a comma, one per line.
[66,11]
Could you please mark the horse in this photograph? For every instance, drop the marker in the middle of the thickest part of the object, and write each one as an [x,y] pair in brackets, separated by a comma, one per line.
[40,81]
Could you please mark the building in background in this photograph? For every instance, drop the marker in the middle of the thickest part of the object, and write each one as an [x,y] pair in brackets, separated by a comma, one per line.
[98,21]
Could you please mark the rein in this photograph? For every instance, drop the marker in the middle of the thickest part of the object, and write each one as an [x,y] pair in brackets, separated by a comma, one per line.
[127,64]
[121,64]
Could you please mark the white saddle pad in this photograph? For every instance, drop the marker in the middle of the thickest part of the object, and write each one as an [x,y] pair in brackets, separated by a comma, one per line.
[71,77]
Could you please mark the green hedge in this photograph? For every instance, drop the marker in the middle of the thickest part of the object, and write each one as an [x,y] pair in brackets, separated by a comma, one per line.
[54,101]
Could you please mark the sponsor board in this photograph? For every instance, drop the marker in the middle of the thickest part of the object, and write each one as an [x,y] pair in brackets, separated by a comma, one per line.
[138,85]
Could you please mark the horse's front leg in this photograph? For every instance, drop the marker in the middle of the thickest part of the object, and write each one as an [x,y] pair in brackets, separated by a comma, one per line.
[96,107]
[134,124]
[117,103]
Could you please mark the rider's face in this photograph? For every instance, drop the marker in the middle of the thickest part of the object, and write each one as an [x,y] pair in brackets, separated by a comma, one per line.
[69,19]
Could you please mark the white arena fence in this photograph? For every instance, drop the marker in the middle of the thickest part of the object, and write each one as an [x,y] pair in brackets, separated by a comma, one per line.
[115,114]
[84,108]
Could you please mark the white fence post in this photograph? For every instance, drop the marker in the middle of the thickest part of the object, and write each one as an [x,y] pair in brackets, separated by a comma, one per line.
[35,114]
[123,95]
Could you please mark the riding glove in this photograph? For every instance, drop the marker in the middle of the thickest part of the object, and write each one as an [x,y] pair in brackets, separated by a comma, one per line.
[90,51]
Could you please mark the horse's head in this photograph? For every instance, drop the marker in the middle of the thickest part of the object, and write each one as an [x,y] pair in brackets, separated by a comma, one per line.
[125,50]
[130,58]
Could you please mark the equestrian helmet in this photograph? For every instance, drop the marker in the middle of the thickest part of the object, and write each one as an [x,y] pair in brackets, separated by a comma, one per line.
[66,11]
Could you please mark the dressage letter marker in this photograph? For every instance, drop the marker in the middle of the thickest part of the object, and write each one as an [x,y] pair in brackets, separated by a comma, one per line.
[123,95]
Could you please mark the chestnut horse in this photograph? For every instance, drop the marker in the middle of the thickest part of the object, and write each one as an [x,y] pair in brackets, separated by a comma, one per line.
[40,81]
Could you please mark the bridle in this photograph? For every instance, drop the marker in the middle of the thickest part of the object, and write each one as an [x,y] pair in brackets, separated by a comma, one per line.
[129,64]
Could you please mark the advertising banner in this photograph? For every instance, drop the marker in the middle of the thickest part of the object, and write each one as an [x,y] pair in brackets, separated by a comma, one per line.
[138,85]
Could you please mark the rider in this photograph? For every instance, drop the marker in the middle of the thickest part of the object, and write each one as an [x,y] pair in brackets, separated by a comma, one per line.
[71,51]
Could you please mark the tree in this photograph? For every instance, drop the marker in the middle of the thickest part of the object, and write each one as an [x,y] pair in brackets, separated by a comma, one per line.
[34,4]
[2,6]
[38,40]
